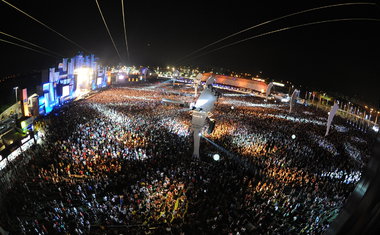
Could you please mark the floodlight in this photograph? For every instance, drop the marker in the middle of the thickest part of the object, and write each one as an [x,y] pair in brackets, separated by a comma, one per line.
[216,157]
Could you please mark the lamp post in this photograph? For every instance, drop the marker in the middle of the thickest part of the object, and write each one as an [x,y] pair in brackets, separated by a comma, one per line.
[15,89]
[203,106]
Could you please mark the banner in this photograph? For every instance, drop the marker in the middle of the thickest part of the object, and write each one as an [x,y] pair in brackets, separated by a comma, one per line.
[333,111]
[25,104]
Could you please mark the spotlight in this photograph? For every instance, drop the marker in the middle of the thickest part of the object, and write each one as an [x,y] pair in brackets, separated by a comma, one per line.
[216,157]
[293,136]
[232,107]
[200,134]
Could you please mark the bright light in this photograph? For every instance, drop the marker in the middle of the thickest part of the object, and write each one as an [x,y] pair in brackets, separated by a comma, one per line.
[293,136]
[120,77]
[84,77]
[83,71]
[278,84]
[65,91]
[24,125]
[199,134]
[216,157]
[287,99]
[25,139]
[201,102]
[258,79]
[375,128]
[232,107]
[192,104]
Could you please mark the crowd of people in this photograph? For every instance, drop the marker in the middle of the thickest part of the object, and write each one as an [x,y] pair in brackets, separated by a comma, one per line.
[120,162]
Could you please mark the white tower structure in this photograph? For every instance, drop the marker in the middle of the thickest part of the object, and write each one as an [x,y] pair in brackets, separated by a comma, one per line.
[202,108]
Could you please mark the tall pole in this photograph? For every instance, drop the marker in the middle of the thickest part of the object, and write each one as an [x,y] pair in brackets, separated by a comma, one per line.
[15,88]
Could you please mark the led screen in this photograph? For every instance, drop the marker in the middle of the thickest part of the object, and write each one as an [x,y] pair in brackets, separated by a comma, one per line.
[65,91]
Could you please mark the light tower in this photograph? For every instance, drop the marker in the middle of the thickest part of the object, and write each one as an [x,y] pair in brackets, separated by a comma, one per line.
[175,76]
[197,80]
[293,100]
[15,89]
[201,109]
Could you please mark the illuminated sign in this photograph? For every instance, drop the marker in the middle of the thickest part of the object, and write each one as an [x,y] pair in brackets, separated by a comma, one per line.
[108,77]
[25,102]
[65,91]
[26,123]
[99,81]
[46,87]
[25,139]
[326,98]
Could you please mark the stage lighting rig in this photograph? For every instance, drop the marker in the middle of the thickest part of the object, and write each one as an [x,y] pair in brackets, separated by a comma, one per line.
[201,110]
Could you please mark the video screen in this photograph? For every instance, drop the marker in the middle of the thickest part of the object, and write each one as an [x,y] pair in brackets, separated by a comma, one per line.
[66,90]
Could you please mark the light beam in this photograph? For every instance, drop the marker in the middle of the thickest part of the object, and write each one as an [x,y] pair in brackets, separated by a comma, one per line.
[285,29]
[273,20]
[109,33]
[43,24]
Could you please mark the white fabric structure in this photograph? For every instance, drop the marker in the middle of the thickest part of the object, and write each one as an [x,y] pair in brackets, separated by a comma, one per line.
[197,80]
[210,80]
[206,101]
[270,85]
[293,99]
[333,111]
[203,106]
[198,121]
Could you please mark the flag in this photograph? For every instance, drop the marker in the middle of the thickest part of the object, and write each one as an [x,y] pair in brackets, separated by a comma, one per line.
[176,204]
[333,111]
[174,214]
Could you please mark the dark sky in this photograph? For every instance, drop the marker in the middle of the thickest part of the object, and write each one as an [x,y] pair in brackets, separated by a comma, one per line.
[342,57]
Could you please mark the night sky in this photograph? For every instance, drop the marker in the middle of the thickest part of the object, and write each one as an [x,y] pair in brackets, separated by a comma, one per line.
[341,57]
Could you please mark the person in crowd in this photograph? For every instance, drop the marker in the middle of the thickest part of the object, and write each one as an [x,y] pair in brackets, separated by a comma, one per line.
[120,161]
